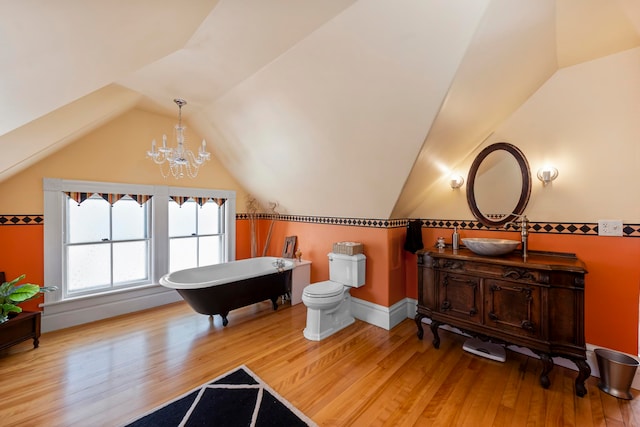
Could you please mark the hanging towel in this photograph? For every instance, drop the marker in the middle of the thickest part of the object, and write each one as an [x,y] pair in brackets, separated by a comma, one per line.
[414,236]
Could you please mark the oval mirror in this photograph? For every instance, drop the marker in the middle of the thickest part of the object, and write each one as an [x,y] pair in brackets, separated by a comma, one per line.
[499,184]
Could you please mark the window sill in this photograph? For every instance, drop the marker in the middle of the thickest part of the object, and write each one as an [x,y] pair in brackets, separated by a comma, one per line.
[116,293]
[89,308]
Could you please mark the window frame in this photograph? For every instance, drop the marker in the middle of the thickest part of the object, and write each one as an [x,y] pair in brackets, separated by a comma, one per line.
[110,242]
[222,226]
[54,227]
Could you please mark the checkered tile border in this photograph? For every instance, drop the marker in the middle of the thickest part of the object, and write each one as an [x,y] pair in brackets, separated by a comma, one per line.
[575,228]
[354,222]
[21,220]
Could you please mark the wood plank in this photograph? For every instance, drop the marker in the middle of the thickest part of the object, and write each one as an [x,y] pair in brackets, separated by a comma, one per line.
[111,371]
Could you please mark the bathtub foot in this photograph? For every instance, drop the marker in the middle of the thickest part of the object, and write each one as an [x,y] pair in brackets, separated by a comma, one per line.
[225,321]
[274,302]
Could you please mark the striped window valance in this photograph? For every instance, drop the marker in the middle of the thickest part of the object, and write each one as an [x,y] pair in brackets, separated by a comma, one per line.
[199,200]
[80,197]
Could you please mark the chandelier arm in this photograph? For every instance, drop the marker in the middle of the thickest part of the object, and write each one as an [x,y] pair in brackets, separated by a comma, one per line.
[159,158]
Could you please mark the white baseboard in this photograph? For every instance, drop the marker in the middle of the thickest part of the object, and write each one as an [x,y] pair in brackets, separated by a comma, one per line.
[65,314]
[379,315]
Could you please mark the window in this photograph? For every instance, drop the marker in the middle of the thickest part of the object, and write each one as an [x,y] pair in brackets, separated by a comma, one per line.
[106,239]
[106,245]
[196,232]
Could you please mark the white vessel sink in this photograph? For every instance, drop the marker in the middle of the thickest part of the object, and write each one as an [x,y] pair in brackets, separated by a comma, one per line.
[482,246]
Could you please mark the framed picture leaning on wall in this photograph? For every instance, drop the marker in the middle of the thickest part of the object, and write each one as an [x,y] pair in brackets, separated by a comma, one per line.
[289,246]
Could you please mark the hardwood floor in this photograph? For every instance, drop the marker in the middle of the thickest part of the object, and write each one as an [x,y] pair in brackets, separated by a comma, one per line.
[109,372]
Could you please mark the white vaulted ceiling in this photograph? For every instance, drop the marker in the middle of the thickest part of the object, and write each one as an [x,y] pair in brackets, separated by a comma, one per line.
[332,108]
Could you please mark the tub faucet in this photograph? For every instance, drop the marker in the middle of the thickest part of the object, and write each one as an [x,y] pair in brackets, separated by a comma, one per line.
[279,264]
[524,232]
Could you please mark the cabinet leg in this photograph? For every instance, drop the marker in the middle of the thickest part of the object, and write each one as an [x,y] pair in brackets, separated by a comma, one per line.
[547,366]
[418,320]
[434,330]
[584,373]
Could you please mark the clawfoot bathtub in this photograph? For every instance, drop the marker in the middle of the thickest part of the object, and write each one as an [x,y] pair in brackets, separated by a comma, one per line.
[220,288]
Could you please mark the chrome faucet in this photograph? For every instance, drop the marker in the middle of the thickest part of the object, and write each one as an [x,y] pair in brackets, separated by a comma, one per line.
[524,232]
[279,264]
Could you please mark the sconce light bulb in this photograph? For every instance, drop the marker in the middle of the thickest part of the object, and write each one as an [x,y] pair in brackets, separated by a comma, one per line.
[456,181]
[547,174]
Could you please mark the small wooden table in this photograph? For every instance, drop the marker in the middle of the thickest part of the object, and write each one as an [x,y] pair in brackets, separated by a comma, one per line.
[24,326]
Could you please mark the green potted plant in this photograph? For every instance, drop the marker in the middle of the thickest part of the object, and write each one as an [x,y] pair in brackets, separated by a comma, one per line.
[11,296]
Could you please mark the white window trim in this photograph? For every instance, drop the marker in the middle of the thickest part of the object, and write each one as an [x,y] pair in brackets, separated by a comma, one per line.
[58,313]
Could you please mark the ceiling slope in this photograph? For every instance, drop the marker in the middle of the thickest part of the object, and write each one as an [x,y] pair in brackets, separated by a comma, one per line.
[512,54]
[34,141]
[56,51]
[333,125]
[235,41]
[517,48]
[590,29]
[349,108]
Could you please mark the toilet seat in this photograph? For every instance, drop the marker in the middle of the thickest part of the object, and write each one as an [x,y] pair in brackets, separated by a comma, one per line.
[326,289]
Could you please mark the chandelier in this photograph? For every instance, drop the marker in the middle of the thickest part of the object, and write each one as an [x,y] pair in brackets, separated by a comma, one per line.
[178,161]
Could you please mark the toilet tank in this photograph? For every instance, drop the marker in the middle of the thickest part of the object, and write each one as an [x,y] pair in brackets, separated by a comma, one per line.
[348,270]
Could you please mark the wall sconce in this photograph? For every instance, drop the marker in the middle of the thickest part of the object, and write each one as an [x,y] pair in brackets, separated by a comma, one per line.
[456,181]
[547,174]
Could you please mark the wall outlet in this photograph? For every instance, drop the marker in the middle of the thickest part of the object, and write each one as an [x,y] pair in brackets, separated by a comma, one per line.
[609,227]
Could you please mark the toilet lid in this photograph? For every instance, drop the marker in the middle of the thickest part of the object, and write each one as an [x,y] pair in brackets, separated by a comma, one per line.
[323,289]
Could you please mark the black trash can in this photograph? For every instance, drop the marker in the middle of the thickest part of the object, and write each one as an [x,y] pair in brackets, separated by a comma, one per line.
[616,372]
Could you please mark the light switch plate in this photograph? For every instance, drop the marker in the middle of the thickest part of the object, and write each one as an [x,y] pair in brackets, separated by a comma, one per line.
[609,227]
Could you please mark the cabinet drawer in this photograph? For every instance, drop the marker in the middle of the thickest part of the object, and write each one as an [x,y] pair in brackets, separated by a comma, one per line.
[508,272]
[513,307]
[459,296]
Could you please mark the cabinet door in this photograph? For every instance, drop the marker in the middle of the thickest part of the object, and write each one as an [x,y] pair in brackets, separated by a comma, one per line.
[459,296]
[513,307]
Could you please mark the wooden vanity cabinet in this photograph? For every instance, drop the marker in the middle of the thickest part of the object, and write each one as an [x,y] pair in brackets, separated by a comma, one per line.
[538,304]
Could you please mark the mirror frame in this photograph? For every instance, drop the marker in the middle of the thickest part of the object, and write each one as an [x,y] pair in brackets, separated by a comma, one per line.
[526,183]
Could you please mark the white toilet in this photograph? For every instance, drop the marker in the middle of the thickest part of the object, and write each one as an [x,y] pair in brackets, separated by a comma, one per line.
[329,302]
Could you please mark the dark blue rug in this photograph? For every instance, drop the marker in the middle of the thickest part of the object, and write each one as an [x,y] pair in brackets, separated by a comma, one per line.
[237,398]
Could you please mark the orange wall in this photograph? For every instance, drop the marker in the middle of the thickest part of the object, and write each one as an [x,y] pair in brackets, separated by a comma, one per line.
[316,241]
[21,252]
[612,286]
[243,242]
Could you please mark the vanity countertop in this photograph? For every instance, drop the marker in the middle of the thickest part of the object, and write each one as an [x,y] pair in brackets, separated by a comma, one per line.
[535,259]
